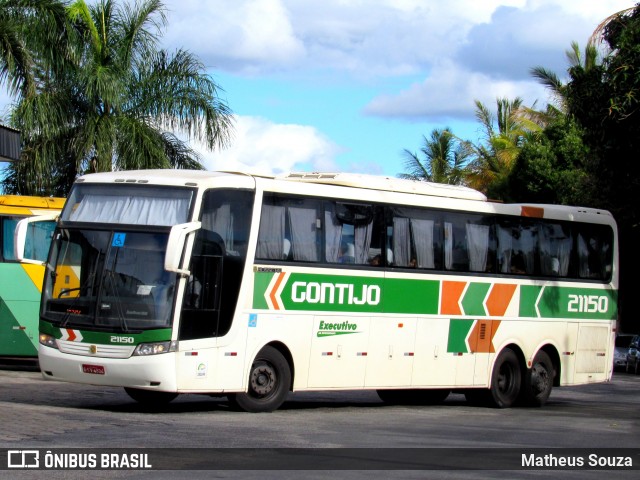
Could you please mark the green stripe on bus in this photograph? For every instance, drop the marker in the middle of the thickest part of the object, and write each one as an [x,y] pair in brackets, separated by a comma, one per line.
[332,293]
[568,302]
[472,303]
[351,293]
[411,296]
[583,303]
[261,283]
[114,338]
[458,333]
[528,298]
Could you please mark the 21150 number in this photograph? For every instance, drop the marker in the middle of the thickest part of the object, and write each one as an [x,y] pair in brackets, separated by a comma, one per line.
[588,303]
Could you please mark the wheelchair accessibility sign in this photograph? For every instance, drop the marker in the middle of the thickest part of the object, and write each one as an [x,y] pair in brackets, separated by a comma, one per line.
[118,239]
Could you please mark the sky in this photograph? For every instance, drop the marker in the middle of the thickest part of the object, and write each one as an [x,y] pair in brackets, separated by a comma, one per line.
[348,85]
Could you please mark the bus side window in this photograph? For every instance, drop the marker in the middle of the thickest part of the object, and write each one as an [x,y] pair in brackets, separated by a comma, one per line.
[349,232]
[304,230]
[272,232]
[456,253]
[289,229]
[415,238]
[517,249]
[555,249]
[8,227]
[595,253]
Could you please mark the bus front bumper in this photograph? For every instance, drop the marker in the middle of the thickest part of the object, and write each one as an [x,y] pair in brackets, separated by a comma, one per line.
[156,372]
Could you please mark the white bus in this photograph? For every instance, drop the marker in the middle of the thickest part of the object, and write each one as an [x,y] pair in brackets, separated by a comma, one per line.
[169,282]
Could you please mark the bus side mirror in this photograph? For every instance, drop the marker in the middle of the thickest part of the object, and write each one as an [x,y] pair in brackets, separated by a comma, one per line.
[175,246]
[20,236]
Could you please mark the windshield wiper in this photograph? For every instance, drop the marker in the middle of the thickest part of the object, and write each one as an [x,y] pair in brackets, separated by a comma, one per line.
[116,294]
[88,285]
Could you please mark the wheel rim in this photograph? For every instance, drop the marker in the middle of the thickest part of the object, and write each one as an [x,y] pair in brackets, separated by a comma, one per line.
[264,380]
[506,379]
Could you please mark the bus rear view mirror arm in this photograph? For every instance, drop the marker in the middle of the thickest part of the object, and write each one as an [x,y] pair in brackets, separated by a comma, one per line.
[20,236]
[175,246]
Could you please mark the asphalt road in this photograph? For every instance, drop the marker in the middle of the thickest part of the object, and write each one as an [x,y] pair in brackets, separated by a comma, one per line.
[49,415]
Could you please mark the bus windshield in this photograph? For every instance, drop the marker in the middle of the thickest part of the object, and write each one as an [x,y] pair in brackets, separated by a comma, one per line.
[113,279]
[126,204]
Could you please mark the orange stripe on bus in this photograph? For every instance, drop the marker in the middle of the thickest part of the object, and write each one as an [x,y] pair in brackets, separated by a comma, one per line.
[451,293]
[72,335]
[481,337]
[500,298]
[535,212]
[272,295]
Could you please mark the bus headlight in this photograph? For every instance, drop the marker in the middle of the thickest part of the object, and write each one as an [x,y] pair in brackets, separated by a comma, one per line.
[47,340]
[155,348]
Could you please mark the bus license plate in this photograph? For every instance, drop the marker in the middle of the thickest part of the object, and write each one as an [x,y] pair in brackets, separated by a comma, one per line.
[94,369]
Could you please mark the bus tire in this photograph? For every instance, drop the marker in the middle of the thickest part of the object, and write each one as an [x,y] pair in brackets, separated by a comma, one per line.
[506,380]
[413,397]
[269,383]
[538,381]
[150,397]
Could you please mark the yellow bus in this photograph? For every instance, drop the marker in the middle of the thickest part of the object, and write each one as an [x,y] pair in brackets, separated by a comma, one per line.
[21,282]
[252,286]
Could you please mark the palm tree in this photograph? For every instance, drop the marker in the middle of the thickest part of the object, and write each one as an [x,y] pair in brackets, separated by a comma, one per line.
[504,135]
[444,160]
[121,102]
[27,26]
[577,60]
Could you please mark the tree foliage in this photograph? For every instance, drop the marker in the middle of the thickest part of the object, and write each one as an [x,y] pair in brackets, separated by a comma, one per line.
[445,159]
[113,101]
[606,103]
[551,169]
[504,135]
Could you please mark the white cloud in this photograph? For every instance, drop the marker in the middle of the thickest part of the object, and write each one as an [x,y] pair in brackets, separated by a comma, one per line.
[516,39]
[261,146]
[465,49]
[235,35]
[496,58]
[365,38]
[376,37]
[449,93]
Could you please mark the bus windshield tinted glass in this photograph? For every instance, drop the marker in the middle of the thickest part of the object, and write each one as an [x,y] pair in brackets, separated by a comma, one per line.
[128,204]
[109,279]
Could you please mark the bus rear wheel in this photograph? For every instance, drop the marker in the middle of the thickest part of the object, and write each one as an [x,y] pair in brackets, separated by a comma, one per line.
[269,383]
[538,381]
[506,379]
[150,397]
[414,397]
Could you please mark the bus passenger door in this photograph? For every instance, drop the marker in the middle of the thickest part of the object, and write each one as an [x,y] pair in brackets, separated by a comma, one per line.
[197,333]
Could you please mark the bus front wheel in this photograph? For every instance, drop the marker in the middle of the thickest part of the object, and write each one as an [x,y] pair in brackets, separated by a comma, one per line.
[269,382]
[506,379]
